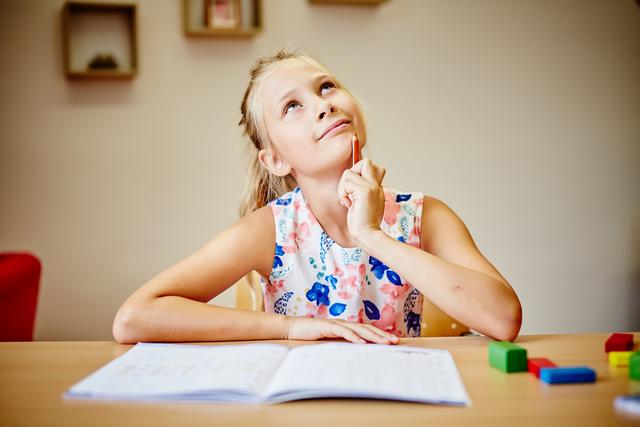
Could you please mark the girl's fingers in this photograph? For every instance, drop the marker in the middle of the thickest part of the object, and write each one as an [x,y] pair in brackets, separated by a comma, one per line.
[369,170]
[348,184]
[368,333]
[340,330]
[380,332]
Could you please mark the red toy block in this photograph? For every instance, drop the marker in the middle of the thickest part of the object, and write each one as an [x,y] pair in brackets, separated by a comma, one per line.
[534,365]
[619,342]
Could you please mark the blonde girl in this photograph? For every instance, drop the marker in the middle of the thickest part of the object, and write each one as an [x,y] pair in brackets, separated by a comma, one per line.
[339,254]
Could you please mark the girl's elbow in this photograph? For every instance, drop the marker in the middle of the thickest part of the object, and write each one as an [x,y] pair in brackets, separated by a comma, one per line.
[510,327]
[124,326]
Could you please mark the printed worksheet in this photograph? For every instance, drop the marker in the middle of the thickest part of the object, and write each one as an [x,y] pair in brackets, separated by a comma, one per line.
[273,373]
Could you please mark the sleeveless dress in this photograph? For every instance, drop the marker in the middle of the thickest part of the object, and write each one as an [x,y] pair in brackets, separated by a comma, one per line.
[315,277]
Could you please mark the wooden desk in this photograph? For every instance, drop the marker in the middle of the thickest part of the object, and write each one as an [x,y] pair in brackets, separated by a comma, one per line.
[34,375]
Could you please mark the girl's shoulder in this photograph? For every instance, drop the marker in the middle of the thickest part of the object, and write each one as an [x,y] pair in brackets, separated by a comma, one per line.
[258,229]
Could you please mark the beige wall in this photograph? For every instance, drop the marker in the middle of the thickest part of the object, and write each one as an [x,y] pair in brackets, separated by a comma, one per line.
[524,116]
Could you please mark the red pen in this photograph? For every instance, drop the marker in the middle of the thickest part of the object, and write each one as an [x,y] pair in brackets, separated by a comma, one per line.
[355,150]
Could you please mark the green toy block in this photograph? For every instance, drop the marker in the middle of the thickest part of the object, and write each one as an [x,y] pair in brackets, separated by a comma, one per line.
[507,357]
[634,366]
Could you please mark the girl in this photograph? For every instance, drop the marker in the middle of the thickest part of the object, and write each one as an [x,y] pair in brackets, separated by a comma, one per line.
[340,256]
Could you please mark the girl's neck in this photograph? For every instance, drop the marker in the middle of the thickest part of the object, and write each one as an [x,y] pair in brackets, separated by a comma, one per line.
[322,198]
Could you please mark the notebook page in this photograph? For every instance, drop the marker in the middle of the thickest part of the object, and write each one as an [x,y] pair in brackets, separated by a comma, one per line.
[369,370]
[173,371]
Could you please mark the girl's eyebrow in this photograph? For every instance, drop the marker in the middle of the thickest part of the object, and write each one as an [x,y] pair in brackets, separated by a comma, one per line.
[292,91]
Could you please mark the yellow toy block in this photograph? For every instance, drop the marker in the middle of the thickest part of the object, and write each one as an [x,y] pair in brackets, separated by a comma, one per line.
[619,358]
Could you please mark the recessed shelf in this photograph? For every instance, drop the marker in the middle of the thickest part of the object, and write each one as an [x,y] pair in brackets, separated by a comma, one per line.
[246,19]
[100,33]
[356,2]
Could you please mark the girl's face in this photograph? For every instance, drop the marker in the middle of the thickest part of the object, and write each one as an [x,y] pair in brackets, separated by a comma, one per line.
[302,106]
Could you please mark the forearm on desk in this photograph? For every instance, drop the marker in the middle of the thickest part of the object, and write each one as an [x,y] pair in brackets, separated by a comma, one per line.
[174,318]
[476,299]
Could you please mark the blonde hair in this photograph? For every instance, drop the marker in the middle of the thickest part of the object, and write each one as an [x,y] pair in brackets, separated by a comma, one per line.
[263,186]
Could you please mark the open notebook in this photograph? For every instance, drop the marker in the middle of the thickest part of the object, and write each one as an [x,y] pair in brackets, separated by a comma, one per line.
[274,373]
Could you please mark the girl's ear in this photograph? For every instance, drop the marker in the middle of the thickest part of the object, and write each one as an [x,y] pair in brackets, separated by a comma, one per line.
[273,162]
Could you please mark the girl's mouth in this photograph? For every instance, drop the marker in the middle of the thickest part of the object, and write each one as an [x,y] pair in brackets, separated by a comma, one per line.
[336,129]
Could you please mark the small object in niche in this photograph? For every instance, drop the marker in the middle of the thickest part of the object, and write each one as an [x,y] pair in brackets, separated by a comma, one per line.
[103,61]
[222,13]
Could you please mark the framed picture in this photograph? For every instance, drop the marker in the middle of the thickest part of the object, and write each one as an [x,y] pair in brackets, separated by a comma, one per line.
[222,13]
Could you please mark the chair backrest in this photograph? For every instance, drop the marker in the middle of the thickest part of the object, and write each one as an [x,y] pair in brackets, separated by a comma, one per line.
[19,286]
[435,322]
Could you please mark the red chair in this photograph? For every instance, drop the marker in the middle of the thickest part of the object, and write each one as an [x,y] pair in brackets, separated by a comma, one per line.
[19,285]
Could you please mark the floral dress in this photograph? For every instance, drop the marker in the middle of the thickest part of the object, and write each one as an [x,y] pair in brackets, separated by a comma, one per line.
[315,277]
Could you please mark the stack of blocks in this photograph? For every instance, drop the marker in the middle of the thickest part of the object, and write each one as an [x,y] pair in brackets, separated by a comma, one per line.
[509,357]
[620,350]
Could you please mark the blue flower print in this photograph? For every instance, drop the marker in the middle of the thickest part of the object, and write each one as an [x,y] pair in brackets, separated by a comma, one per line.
[402,197]
[413,323]
[277,261]
[283,202]
[325,244]
[280,306]
[319,293]
[332,280]
[394,278]
[378,268]
[337,309]
[371,310]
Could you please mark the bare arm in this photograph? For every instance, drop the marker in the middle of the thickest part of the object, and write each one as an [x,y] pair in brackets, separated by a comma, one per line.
[450,270]
[173,305]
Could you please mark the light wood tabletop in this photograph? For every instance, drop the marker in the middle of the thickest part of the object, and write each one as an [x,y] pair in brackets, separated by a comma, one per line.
[34,375]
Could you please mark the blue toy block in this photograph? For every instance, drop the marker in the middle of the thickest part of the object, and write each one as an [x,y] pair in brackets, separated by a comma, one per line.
[563,375]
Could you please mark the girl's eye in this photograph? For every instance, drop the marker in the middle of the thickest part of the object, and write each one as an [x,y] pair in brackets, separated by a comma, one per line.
[289,105]
[329,84]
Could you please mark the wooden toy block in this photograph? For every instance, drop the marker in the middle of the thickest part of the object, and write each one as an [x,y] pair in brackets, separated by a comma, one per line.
[634,366]
[619,342]
[564,375]
[619,358]
[507,357]
[535,364]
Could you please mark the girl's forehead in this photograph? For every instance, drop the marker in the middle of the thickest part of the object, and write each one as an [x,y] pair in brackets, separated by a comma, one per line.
[287,76]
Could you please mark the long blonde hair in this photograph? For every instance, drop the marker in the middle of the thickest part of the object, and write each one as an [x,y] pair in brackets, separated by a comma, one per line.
[263,186]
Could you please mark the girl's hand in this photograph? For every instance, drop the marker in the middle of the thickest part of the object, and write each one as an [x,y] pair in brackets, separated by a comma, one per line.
[305,328]
[360,191]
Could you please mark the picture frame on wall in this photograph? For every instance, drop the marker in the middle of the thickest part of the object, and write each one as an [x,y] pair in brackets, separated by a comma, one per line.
[221,14]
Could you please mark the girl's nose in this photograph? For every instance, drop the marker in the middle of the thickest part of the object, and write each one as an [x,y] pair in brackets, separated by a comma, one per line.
[326,108]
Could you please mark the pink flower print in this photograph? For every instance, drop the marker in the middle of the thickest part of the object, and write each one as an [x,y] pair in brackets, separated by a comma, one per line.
[387,321]
[322,311]
[356,279]
[343,290]
[391,208]
[311,309]
[394,292]
[290,246]
[337,271]
[302,236]
[414,234]
[319,312]
[274,285]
